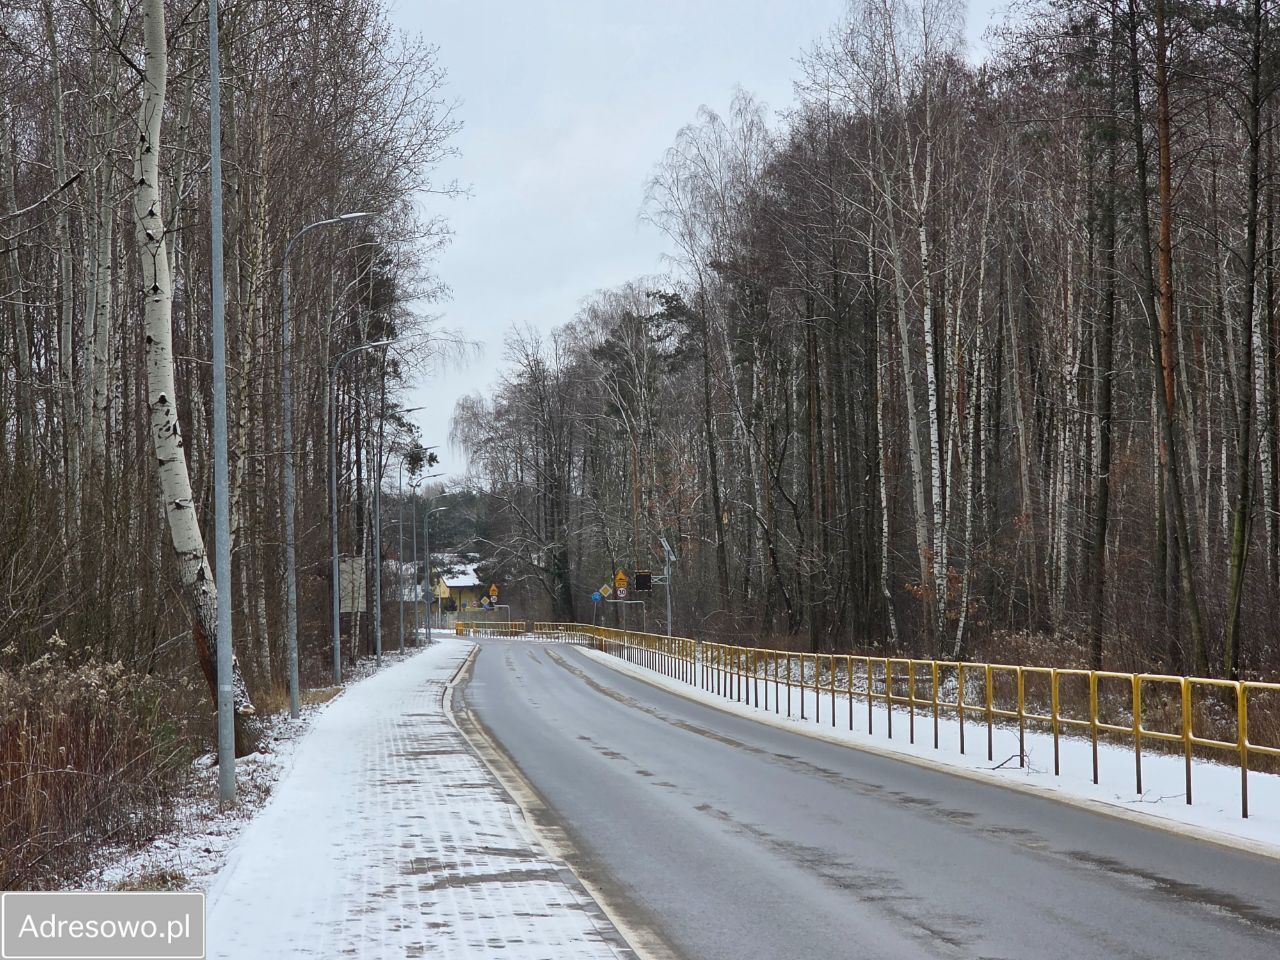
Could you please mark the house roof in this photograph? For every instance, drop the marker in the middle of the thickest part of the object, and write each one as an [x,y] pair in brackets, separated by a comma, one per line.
[460,579]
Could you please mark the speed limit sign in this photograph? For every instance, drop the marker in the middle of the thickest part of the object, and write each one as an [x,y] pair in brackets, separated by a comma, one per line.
[622,593]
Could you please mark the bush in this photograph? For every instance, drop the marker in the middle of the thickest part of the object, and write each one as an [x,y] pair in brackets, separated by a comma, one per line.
[87,755]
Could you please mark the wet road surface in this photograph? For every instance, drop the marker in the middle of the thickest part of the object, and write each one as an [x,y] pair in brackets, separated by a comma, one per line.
[735,840]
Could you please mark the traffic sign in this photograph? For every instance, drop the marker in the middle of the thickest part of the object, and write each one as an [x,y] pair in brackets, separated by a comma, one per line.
[596,597]
[606,590]
[622,593]
[493,590]
[644,581]
[620,579]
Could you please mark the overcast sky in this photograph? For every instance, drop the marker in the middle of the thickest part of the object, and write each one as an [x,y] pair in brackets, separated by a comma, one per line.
[567,107]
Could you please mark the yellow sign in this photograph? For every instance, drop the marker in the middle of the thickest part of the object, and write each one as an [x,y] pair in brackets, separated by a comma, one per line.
[493,590]
[620,580]
[606,590]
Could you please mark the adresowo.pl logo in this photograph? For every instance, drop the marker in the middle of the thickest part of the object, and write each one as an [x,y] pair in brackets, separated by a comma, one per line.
[101,926]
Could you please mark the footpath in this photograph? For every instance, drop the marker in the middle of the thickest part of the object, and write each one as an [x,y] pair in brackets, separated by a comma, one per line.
[388,837]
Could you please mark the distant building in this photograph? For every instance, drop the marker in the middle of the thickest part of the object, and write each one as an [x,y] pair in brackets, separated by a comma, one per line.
[414,595]
[457,585]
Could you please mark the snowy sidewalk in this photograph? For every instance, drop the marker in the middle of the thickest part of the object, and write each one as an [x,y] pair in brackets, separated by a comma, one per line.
[389,838]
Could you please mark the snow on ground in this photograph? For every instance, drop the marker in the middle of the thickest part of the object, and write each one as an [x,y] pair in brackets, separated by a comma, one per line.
[1215,787]
[188,856]
[388,837]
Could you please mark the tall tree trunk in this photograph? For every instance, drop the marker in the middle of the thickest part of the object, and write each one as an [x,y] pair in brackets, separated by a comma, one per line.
[22,343]
[1104,341]
[1250,365]
[1168,345]
[713,465]
[66,361]
[171,464]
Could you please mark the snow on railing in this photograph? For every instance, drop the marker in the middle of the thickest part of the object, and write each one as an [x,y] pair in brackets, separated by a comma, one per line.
[1143,710]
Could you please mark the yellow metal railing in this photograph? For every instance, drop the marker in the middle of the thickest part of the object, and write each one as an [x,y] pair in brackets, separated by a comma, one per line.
[547,632]
[1063,702]
[485,628]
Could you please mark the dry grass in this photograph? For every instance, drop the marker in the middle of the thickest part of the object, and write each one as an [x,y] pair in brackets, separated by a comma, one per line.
[155,881]
[275,699]
[319,695]
[88,752]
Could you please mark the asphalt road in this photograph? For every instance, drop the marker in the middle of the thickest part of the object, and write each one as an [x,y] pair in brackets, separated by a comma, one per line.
[736,840]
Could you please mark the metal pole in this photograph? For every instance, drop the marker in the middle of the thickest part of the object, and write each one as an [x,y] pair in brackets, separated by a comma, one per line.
[667,574]
[221,494]
[426,549]
[333,503]
[414,506]
[377,527]
[332,422]
[400,548]
[290,494]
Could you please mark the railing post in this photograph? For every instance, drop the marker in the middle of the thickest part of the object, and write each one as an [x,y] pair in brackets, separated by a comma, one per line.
[1242,737]
[870,699]
[1022,723]
[888,695]
[789,684]
[1053,712]
[934,671]
[1137,730]
[1093,720]
[990,731]
[1186,731]
[803,684]
[848,678]
[911,701]
[831,663]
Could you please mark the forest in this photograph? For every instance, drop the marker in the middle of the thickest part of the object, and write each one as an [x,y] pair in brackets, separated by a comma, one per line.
[106,471]
[953,359]
[953,356]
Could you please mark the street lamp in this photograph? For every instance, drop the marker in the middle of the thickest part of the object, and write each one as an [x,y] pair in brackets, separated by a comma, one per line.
[426,539]
[225,693]
[333,500]
[290,547]
[417,616]
[413,526]
[400,532]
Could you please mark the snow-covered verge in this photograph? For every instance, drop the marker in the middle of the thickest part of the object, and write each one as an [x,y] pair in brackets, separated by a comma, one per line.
[191,853]
[389,837]
[1214,814]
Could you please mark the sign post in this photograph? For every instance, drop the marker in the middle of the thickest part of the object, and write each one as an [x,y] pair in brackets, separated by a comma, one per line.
[669,557]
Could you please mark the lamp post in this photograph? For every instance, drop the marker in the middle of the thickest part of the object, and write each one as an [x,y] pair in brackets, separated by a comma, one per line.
[426,541]
[400,531]
[290,543]
[333,502]
[221,495]
[413,525]
[417,614]
[377,523]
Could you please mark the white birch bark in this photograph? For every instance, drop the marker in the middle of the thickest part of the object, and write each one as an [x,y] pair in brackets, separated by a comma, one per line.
[22,348]
[1262,432]
[194,572]
[62,233]
[913,417]
[99,356]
